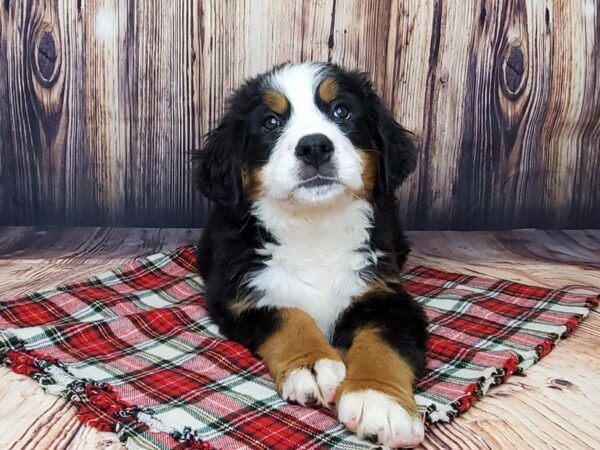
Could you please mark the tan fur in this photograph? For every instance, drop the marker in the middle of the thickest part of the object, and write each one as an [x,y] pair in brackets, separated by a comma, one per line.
[372,364]
[297,343]
[379,285]
[369,171]
[328,89]
[252,183]
[276,101]
[241,304]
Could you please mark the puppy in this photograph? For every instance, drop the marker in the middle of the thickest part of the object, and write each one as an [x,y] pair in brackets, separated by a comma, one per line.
[302,254]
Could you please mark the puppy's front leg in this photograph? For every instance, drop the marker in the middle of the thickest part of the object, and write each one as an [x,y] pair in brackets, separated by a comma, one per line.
[306,368]
[385,335]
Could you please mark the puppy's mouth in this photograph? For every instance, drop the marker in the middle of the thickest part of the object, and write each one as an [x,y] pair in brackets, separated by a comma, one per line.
[317,181]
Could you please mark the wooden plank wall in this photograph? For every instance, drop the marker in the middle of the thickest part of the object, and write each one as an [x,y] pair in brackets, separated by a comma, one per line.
[100,101]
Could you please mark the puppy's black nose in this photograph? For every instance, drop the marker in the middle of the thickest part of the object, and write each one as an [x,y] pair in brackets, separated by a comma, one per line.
[314,149]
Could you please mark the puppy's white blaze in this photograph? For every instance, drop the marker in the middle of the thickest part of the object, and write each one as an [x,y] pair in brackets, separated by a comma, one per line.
[299,84]
[316,263]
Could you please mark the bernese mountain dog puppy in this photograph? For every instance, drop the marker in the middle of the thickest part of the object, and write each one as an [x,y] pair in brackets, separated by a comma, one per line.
[302,255]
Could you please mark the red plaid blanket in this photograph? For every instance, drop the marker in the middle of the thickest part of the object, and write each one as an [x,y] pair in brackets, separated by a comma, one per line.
[135,351]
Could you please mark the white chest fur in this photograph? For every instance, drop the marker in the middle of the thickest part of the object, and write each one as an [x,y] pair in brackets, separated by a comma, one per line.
[316,263]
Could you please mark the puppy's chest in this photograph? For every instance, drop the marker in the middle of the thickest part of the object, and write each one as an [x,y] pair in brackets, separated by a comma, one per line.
[319,273]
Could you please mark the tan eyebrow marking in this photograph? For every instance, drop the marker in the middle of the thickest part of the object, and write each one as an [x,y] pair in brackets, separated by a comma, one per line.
[328,89]
[276,101]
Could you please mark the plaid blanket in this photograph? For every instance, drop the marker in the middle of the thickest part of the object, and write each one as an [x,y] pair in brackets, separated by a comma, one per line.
[136,352]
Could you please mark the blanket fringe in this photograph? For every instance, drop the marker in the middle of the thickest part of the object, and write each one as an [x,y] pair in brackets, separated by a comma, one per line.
[97,404]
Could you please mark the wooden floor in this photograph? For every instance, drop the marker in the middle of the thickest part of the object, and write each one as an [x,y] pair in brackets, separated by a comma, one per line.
[555,405]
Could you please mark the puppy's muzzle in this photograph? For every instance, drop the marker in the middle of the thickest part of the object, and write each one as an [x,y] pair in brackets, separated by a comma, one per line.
[315,150]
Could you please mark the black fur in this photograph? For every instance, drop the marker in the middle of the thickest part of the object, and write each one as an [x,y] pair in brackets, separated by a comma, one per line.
[219,166]
[227,248]
[399,323]
[226,254]
[238,140]
[399,155]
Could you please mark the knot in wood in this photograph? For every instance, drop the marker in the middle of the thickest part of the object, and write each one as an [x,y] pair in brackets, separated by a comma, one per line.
[46,58]
[513,71]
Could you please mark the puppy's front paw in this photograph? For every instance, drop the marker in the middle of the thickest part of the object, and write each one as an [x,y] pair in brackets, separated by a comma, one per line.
[379,418]
[314,385]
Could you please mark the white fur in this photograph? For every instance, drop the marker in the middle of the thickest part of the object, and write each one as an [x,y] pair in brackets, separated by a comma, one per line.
[301,385]
[320,231]
[374,413]
[280,176]
[316,263]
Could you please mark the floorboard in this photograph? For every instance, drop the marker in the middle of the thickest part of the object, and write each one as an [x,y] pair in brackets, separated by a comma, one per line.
[554,405]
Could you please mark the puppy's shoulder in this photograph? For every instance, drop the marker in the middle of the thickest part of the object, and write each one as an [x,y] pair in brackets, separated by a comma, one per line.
[227,245]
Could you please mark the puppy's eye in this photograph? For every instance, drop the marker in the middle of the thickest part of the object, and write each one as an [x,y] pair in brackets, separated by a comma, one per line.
[341,112]
[271,123]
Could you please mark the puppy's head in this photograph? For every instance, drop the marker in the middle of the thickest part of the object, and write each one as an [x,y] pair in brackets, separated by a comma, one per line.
[305,134]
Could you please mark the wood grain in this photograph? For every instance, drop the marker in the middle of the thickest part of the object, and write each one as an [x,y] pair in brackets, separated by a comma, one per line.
[40,111]
[101,102]
[552,406]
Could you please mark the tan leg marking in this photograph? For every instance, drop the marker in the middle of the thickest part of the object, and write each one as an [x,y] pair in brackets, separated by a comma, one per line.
[372,364]
[298,343]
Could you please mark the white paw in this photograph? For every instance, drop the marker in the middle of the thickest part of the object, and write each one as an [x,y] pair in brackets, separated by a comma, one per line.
[309,387]
[379,418]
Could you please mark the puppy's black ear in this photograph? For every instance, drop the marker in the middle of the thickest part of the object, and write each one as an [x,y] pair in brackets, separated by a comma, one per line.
[218,167]
[397,149]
